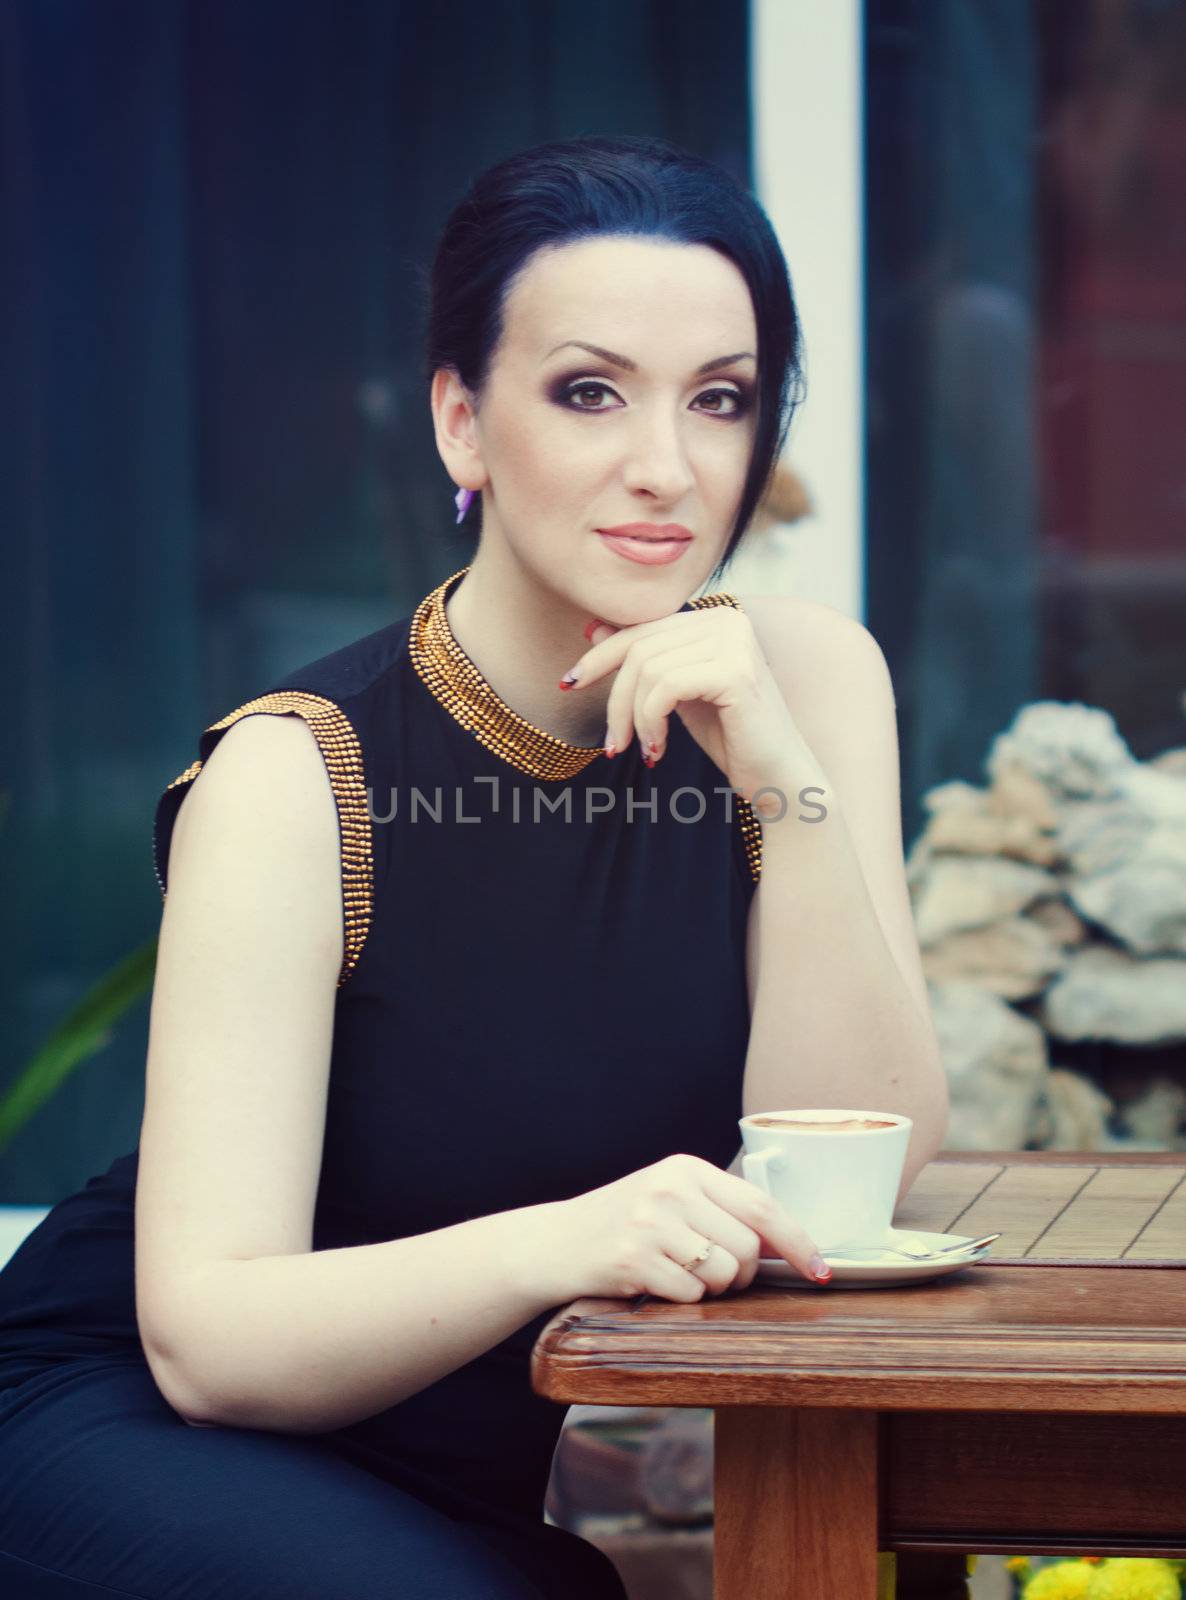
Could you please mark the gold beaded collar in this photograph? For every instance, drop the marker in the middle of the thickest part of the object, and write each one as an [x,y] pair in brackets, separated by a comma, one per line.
[453,679]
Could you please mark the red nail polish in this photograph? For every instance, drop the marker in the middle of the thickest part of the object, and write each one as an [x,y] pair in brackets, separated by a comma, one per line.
[648,761]
[565,685]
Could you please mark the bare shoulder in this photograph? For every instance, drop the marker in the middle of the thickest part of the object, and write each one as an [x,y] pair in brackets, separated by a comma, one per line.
[267,774]
[254,858]
[254,900]
[815,651]
[787,621]
[259,745]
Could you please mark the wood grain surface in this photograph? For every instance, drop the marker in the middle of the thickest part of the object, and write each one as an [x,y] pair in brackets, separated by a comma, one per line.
[1001,1335]
[1069,1210]
[795,1503]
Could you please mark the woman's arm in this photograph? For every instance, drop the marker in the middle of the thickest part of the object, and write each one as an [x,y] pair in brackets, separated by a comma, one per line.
[788,698]
[840,1015]
[306,1343]
[241,1322]
[834,1023]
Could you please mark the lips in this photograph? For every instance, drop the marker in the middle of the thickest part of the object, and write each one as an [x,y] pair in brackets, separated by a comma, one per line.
[652,549]
[652,532]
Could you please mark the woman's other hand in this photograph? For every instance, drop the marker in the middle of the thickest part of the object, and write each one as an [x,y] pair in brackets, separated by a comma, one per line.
[632,1236]
[708,667]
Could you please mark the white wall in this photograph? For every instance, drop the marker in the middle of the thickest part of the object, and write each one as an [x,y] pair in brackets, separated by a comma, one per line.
[16,1223]
[807,85]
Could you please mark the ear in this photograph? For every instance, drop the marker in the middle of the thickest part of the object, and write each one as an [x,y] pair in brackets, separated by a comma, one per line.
[455,425]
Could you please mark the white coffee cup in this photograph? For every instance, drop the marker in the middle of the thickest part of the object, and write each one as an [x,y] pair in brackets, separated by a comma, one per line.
[839,1184]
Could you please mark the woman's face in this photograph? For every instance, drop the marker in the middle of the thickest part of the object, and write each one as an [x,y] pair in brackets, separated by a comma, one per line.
[657,427]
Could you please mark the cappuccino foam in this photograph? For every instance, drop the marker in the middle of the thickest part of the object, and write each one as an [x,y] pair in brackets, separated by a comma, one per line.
[840,1125]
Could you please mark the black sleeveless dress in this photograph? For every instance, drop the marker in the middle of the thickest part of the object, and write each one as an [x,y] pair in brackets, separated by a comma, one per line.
[543,946]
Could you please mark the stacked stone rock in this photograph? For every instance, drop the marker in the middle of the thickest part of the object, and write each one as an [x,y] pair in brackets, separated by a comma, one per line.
[1050,906]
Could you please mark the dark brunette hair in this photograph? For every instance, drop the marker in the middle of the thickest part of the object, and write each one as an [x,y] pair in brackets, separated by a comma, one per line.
[579,188]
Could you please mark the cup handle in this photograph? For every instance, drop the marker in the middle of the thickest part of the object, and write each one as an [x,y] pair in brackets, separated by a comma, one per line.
[757,1165]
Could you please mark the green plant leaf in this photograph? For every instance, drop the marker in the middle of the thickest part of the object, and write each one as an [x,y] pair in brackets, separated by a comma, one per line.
[82,1034]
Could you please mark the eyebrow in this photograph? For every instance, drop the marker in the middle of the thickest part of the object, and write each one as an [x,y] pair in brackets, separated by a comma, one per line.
[632,366]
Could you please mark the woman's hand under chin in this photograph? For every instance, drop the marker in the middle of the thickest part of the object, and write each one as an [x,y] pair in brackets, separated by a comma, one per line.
[707,666]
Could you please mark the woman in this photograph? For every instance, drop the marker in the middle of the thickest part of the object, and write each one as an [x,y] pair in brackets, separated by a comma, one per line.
[451,1020]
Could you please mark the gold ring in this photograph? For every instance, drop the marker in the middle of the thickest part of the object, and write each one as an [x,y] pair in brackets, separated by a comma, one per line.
[703,1256]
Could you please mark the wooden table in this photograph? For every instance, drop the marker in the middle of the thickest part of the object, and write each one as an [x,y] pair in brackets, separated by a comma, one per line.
[1033,1403]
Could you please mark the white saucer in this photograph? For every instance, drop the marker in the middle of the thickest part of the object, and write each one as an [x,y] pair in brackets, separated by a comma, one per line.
[868,1271]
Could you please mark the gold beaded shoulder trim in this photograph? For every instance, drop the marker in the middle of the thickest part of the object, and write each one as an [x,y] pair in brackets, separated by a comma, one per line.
[342,753]
[751,828]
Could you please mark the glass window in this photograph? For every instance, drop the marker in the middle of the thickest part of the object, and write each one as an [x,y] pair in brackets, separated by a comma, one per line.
[1026,348]
[222,466]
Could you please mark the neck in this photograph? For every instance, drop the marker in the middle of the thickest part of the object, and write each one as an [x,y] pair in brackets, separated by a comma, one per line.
[522,639]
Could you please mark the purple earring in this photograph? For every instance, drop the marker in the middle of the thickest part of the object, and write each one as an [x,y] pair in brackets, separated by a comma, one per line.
[462,500]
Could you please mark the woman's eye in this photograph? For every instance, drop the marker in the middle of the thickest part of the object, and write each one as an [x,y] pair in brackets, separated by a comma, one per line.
[738,399]
[720,409]
[587,388]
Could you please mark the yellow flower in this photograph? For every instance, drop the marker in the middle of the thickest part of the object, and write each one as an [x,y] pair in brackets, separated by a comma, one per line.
[1066,1581]
[1134,1578]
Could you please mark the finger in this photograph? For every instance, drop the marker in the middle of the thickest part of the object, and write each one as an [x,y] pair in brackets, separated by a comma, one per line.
[639,666]
[715,682]
[719,1267]
[737,1238]
[657,671]
[609,654]
[711,680]
[667,1278]
[753,1206]
[724,1267]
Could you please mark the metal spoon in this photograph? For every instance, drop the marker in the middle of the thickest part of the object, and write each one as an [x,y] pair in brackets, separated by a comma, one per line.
[916,1255]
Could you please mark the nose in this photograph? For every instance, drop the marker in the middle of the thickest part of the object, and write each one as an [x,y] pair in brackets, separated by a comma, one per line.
[657,462]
